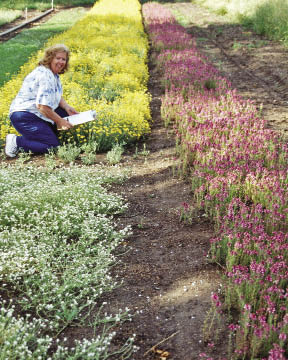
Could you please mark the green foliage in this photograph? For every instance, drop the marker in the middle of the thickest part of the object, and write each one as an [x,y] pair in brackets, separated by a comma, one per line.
[8,15]
[266,17]
[42,4]
[114,155]
[88,158]
[270,19]
[222,11]
[68,152]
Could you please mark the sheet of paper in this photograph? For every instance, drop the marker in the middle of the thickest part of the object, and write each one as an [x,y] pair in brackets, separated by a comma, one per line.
[82,117]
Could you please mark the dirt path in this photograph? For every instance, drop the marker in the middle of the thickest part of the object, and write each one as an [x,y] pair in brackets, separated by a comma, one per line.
[166,274]
[167,281]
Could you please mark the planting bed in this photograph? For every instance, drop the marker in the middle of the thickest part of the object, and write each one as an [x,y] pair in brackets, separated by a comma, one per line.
[167,280]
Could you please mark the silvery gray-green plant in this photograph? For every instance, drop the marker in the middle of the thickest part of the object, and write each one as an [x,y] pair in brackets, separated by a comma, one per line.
[68,152]
[88,158]
[114,155]
[57,243]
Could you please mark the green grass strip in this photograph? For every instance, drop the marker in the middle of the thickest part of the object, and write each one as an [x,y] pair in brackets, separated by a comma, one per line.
[16,52]
[8,15]
[42,4]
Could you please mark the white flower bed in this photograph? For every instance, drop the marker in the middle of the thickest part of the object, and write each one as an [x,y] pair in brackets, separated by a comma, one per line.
[57,236]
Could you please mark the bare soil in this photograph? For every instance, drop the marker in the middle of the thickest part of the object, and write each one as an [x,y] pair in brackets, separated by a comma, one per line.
[167,279]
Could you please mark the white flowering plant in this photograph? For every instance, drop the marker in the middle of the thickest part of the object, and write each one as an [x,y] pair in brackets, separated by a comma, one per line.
[58,237]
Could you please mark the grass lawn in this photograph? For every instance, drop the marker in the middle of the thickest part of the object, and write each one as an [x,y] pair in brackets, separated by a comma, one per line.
[7,15]
[15,52]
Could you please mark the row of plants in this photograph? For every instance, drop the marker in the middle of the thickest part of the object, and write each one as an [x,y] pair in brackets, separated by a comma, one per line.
[239,175]
[108,73]
[58,236]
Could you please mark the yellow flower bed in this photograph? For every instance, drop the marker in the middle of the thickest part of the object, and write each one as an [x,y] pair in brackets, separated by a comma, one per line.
[108,72]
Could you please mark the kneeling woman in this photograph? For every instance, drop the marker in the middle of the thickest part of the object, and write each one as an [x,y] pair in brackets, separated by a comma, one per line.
[39,108]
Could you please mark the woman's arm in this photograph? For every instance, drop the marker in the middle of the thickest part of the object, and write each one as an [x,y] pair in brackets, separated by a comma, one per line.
[70,110]
[51,114]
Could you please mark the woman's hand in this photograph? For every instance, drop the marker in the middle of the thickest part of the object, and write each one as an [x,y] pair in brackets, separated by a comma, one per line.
[70,110]
[61,123]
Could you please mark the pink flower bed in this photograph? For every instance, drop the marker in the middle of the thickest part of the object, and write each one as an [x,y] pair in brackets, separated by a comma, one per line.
[239,172]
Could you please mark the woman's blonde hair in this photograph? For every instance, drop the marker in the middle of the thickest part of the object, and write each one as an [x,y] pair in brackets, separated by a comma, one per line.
[51,52]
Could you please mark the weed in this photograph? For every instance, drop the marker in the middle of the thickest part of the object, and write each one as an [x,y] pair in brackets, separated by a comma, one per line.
[237,46]
[210,84]
[213,321]
[144,152]
[141,225]
[222,11]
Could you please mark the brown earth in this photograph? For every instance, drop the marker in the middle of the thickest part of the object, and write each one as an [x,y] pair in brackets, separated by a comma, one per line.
[167,278]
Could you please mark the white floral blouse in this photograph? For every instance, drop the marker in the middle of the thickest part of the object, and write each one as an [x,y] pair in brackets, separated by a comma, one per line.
[40,87]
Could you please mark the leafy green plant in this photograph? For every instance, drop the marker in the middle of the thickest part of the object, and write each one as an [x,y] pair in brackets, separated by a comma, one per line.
[237,46]
[210,84]
[68,152]
[114,155]
[88,158]
[90,147]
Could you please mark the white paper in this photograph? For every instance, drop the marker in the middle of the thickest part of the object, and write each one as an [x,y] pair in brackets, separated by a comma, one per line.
[82,117]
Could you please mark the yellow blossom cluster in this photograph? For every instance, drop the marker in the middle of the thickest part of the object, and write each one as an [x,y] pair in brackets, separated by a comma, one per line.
[108,72]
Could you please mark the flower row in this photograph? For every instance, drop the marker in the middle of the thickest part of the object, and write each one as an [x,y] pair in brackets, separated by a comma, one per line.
[108,73]
[56,250]
[239,176]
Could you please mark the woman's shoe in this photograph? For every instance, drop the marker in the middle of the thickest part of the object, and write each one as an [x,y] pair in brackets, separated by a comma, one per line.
[11,148]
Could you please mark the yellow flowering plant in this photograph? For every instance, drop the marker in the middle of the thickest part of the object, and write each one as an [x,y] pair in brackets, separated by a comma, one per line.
[108,72]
